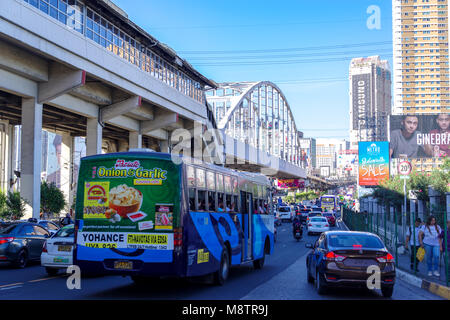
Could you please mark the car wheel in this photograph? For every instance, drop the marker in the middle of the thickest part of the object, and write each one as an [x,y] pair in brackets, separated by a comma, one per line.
[259,264]
[22,260]
[221,275]
[308,275]
[51,271]
[387,291]
[320,285]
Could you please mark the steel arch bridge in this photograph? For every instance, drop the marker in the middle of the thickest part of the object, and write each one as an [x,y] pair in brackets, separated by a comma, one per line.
[258,114]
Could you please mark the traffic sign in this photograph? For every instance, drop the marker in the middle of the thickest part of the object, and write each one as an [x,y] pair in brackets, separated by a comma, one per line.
[404,168]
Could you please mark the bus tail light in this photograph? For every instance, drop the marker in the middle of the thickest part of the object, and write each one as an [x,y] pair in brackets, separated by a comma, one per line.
[178,237]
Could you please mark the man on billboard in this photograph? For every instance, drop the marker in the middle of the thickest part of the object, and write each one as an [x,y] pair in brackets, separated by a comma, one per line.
[404,141]
[439,137]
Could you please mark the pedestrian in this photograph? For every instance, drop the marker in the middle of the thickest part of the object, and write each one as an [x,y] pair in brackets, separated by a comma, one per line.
[67,220]
[442,237]
[413,240]
[432,244]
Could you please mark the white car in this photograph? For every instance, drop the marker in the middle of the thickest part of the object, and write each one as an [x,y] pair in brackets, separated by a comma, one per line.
[285,213]
[57,250]
[318,225]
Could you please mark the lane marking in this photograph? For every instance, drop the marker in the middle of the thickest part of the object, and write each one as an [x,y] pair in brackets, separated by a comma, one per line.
[43,279]
[13,287]
[11,284]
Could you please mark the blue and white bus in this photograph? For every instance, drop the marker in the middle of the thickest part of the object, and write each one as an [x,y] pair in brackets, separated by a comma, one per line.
[144,215]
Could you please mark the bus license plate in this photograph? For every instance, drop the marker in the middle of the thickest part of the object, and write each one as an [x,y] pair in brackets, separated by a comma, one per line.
[65,248]
[123,265]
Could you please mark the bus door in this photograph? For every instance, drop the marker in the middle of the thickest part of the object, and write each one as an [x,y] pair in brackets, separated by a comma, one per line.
[246,205]
[250,231]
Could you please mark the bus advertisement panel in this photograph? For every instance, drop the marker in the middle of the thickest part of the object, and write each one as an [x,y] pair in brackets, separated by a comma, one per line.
[126,203]
[373,162]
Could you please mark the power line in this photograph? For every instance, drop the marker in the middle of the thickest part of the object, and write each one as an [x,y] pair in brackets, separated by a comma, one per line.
[342,46]
[279,62]
[383,50]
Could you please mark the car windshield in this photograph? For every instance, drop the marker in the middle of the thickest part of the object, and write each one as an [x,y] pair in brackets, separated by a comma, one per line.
[65,232]
[318,220]
[8,229]
[327,215]
[355,240]
[284,209]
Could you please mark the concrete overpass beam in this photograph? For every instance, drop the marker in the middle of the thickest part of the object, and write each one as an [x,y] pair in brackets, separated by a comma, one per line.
[120,108]
[61,80]
[162,120]
[23,63]
[31,154]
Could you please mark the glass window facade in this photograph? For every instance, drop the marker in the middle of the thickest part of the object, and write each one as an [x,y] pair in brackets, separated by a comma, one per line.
[81,18]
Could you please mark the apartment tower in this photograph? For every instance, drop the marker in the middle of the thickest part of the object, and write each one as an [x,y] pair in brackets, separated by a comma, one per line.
[421,61]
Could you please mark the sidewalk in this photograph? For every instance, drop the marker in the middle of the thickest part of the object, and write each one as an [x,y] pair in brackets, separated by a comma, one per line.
[436,285]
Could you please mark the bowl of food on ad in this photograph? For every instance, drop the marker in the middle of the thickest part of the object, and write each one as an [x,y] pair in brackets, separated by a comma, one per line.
[124,200]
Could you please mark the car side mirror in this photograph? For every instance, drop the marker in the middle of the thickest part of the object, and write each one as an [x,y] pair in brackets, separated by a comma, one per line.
[309,245]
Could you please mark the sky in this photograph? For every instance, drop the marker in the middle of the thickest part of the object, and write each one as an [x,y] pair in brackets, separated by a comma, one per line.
[303,46]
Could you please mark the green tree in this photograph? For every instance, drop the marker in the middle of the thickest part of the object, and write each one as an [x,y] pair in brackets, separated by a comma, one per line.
[418,184]
[52,199]
[3,205]
[440,178]
[16,206]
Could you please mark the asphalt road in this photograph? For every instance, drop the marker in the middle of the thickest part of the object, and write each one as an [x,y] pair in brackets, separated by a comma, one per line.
[282,278]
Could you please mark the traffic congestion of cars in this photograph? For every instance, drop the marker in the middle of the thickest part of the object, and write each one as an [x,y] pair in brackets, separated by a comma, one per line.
[48,242]
[339,258]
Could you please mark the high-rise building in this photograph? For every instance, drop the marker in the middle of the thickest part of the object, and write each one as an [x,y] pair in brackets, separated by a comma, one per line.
[370,99]
[421,60]
[327,151]
[308,153]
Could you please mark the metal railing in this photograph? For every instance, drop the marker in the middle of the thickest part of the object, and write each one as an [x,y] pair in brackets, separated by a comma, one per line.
[392,227]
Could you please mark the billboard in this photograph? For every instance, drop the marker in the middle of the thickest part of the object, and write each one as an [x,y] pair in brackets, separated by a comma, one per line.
[361,97]
[291,184]
[373,162]
[347,160]
[419,136]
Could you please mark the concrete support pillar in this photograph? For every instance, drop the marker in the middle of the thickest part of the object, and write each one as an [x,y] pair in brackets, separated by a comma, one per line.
[433,199]
[31,155]
[421,210]
[93,137]
[135,140]
[66,167]
[164,146]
